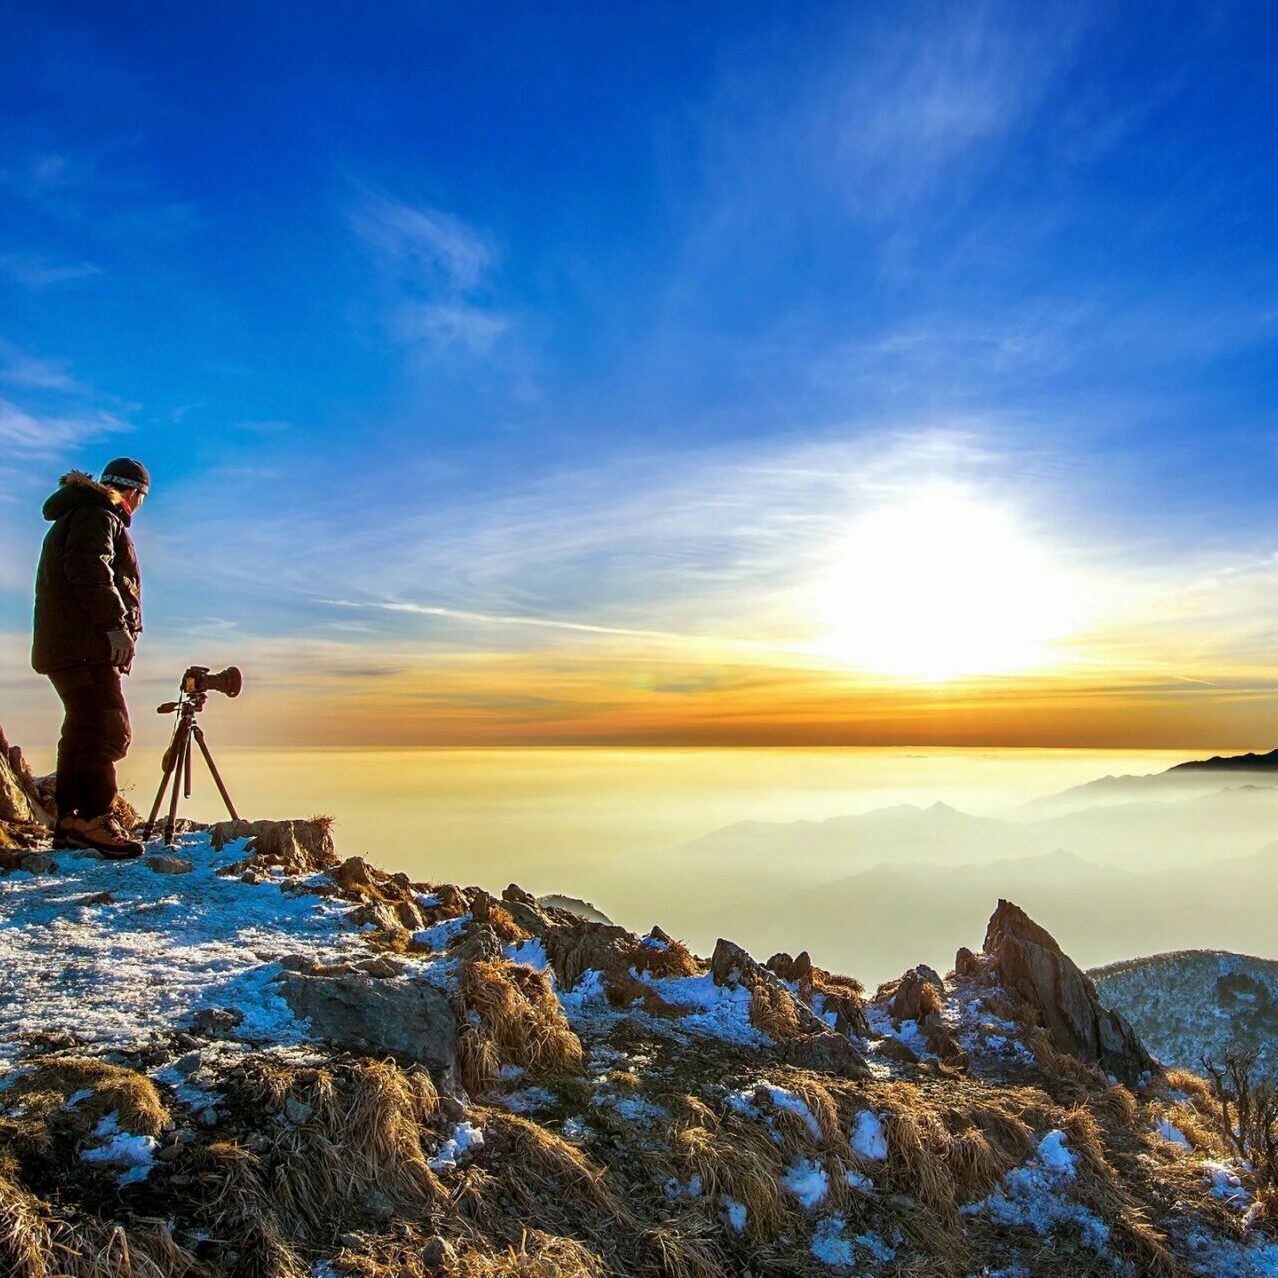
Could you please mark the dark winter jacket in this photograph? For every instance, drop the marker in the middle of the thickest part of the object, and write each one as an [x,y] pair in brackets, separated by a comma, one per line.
[88,581]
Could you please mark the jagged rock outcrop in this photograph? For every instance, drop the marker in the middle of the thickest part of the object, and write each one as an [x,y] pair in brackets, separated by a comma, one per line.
[367,1013]
[296,846]
[806,1040]
[1031,967]
[917,996]
[19,795]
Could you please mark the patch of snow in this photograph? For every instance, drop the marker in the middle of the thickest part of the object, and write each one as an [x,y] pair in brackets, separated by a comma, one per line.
[675,1188]
[633,1109]
[743,1102]
[1054,1154]
[869,1140]
[1171,1133]
[442,935]
[527,1101]
[719,1010]
[793,1103]
[465,1137]
[808,1181]
[590,989]
[1035,1195]
[428,902]
[736,1212]
[830,1247]
[141,965]
[655,943]
[859,1181]
[531,953]
[575,1129]
[121,1149]
[875,1245]
[1226,1183]
[76,1097]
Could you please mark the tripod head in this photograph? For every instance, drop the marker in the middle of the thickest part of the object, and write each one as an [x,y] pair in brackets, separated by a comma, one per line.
[196,685]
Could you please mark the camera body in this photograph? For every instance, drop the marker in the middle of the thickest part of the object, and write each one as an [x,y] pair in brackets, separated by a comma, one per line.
[197,681]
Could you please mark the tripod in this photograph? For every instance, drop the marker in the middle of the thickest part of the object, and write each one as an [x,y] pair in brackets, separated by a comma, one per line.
[177,761]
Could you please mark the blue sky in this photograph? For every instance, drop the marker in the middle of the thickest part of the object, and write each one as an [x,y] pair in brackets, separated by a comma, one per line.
[550,340]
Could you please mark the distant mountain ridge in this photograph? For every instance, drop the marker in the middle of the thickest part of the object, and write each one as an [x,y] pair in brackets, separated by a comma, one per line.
[1109,788]
[1231,763]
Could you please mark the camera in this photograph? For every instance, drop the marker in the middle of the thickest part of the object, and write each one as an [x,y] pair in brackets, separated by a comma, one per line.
[198,680]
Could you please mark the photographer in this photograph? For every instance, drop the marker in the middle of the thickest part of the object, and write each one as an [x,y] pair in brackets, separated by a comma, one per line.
[88,616]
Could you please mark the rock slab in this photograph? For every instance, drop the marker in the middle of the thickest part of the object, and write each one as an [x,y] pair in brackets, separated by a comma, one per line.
[403,1018]
[1032,967]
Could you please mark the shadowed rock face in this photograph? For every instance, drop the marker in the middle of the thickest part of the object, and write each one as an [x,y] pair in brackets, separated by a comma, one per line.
[362,1012]
[1032,967]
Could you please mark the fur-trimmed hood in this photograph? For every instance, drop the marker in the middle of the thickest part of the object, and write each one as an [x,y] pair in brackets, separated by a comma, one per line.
[79,488]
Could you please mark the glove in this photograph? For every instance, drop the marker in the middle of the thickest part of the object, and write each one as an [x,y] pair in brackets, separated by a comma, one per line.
[122,648]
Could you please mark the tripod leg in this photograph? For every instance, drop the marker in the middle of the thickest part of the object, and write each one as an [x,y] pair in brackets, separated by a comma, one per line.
[170,761]
[217,776]
[180,766]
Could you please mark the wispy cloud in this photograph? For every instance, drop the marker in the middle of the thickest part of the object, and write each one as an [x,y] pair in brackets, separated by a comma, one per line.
[424,244]
[453,324]
[19,368]
[44,436]
[437,269]
[36,271]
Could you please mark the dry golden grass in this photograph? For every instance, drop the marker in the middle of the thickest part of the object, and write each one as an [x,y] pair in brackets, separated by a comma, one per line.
[537,1161]
[1115,1106]
[365,1131]
[662,961]
[520,1016]
[737,1159]
[773,1011]
[26,1241]
[538,1255]
[41,1096]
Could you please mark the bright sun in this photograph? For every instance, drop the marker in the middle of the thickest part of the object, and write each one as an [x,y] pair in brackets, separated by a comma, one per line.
[942,586]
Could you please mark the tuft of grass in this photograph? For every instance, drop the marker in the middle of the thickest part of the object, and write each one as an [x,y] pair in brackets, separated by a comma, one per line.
[773,1012]
[40,1096]
[538,1255]
[520,1016]
[26,1241]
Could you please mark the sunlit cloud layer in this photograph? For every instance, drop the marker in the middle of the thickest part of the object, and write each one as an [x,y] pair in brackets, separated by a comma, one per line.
[858,375]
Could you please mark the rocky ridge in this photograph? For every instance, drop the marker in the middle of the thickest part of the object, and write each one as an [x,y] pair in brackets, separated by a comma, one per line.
[280,1061]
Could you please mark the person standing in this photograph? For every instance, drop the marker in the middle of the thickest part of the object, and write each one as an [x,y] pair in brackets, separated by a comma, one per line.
[88,615]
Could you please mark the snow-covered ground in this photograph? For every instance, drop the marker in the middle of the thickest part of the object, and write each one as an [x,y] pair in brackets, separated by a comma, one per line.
[162,948]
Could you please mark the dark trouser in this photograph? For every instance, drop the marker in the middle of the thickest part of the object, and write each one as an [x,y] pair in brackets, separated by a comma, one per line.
[95,733]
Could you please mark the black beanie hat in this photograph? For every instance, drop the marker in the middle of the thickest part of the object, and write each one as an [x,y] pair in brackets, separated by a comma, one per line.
[124,472]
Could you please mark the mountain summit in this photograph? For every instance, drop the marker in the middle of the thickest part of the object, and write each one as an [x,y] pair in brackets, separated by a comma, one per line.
[253,1057]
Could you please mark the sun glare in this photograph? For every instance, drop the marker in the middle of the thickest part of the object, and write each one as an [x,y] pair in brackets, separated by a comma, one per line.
[942,586]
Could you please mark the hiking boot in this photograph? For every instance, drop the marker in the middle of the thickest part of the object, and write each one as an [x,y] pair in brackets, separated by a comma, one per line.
[103,834]
[62,834]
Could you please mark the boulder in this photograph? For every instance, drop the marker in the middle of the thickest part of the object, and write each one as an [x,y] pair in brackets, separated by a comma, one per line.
[19,796]
[213,1022]
[406,1019]
[1032,967]
[583,945]
[829,1052]
[798,968]
[918,996]
[299,847]
[170,864]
